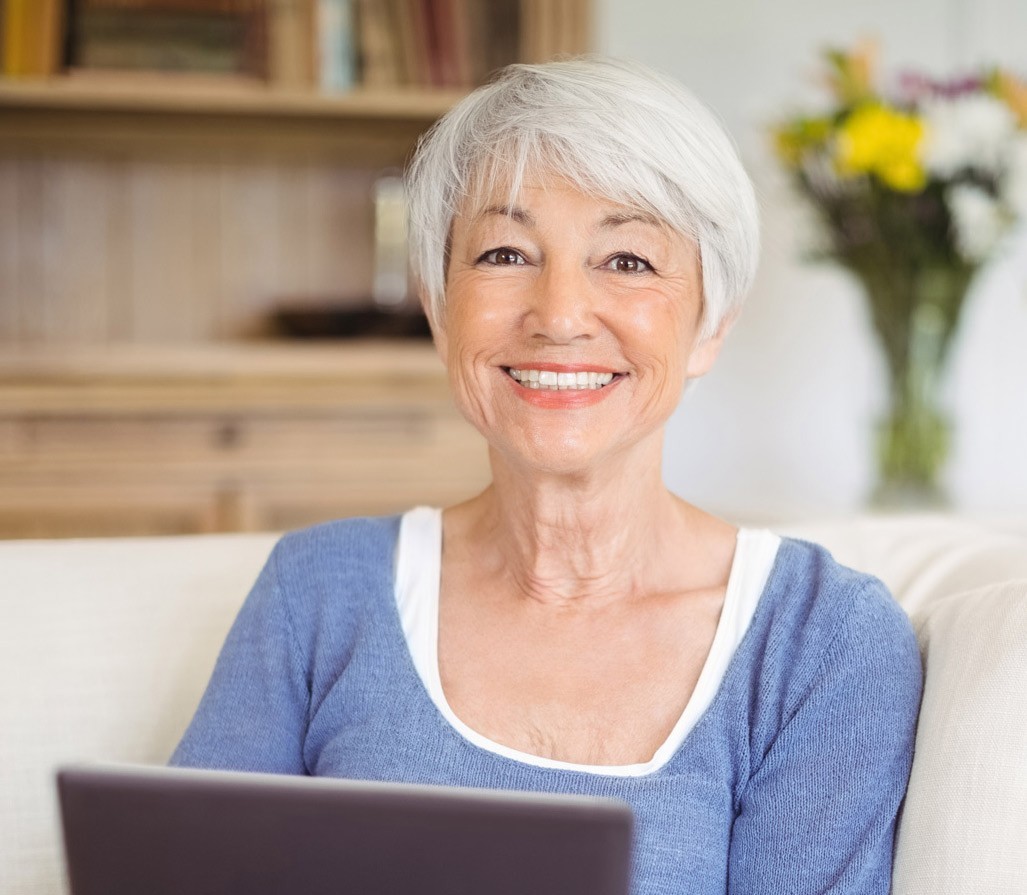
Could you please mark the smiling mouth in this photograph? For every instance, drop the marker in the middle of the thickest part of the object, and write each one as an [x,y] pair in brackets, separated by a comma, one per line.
[550,380]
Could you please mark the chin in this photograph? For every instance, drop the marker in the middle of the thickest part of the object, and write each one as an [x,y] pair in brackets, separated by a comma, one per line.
[554,456]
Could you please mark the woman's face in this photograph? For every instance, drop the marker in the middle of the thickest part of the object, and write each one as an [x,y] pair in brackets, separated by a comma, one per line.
[570,326]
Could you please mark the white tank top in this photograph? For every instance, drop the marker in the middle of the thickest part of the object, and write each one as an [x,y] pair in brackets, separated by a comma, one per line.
[418,573]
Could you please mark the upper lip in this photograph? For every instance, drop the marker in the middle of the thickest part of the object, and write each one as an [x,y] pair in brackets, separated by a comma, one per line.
[562,368]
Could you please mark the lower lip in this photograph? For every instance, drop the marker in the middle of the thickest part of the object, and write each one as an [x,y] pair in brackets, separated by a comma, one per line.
[562,399]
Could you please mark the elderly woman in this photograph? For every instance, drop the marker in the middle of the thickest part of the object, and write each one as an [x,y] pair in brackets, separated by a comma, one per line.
[583,235]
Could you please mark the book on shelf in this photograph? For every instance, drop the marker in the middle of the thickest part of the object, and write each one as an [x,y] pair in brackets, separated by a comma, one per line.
[378,49]
[291,43]
[459,43]
[336,46]
[304,45]
[435,43]
[31,37]
[554,27]
[198,36]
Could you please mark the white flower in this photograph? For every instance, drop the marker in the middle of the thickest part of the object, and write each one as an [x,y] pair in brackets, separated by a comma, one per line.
[968,131]
[1014,184]
[977,220]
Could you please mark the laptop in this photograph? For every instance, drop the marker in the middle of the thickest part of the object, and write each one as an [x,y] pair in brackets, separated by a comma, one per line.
[161,831]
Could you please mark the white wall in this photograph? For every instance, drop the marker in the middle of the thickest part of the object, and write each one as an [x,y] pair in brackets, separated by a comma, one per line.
[782,426]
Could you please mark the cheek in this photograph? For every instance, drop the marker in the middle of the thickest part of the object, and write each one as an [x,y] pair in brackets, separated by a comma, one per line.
[650,321]
[477,317]
[660,328]
[474,336]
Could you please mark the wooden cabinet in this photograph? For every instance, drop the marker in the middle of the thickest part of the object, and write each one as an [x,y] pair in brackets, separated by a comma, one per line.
[150,223]
[160,207]
[144,440]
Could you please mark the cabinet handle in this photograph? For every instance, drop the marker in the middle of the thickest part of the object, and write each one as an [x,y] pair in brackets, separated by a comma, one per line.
[228,435]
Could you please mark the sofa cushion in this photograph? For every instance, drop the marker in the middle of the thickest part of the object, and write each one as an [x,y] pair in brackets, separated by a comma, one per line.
[964,825]
[105,648]
[922,557]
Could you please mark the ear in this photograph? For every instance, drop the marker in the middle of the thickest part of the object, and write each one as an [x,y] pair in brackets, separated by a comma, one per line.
[701,360]
[438,330]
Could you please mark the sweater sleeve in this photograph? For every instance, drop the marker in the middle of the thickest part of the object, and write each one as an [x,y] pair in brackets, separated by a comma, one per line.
[819,810]
[253,715]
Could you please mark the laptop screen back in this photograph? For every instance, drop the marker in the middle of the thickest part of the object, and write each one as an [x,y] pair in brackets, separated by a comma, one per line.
[180,832]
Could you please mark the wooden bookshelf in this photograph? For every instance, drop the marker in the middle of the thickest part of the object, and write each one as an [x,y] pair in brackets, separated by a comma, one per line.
[150,221]
[412,55]
[172,114]
[133,439]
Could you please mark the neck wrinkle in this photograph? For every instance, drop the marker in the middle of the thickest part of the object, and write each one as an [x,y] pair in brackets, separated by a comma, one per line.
[589,540]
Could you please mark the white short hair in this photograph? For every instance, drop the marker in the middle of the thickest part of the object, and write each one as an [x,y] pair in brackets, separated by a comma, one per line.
[617,130]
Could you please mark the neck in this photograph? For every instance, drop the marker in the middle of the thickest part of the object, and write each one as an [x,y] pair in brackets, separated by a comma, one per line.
[591,537]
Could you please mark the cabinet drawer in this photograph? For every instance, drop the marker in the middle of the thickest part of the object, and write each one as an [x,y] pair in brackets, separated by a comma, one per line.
[102,477]
[104,510]
[44,444]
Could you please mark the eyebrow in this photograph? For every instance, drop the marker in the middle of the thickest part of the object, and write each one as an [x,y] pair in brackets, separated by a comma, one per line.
[629,217]
[525,218]
[508,211]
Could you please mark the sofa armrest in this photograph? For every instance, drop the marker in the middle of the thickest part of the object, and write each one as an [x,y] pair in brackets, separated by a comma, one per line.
[964,824]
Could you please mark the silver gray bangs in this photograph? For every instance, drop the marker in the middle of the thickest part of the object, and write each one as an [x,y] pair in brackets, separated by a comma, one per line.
[616,130]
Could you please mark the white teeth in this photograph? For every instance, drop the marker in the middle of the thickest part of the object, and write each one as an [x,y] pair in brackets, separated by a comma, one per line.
[551,380]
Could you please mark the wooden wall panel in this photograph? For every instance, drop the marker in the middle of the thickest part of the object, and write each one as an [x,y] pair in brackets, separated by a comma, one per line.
[252,265]
[339,242]
[98,249]
[61,220]
[164,300]
[78,275]
[205,257]
[294,230]
[10,324]
[119,260]
[291,235]
[32,224]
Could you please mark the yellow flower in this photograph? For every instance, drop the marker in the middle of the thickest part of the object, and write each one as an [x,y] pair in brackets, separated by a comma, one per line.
[1013,91]
[881,141]
[850,73]
[793,139]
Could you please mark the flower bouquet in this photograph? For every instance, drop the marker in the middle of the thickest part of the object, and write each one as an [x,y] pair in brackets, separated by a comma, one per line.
[914,188]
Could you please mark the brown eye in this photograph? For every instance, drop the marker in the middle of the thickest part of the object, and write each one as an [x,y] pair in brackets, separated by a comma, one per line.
[629,264]
[503,257]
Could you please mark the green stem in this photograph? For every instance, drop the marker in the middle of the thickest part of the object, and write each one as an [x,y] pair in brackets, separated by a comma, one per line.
[915,315]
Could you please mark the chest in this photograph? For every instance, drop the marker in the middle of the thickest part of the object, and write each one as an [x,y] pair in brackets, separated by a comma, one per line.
[683,814]
[604,690]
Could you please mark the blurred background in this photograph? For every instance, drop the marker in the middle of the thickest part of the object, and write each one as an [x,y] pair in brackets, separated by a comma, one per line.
[784,425]
[204,325]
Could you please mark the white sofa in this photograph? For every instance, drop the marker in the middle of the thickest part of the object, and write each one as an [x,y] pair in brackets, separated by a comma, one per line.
[105,647]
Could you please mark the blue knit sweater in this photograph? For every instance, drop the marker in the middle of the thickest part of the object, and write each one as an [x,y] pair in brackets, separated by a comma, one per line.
[789,783]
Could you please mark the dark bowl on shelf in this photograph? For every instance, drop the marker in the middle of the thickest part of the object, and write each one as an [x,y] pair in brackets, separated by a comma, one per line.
[342,322]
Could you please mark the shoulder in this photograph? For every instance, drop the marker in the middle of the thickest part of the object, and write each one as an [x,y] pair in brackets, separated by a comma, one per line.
[830,728]
[336,555]
[331,575]
[339,544]
[825,624]
[825,600]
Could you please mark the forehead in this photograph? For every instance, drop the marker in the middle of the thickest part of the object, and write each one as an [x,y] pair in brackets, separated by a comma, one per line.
[504,199]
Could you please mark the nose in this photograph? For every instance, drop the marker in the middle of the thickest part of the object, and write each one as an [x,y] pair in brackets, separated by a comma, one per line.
[563,303]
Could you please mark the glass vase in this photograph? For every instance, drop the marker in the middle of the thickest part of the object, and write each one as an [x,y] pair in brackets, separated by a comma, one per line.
[915,329]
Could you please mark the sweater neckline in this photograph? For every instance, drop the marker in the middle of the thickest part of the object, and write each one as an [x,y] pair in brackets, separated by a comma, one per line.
[694,710]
